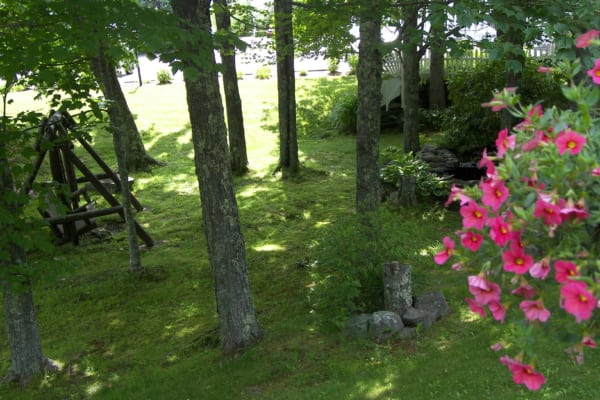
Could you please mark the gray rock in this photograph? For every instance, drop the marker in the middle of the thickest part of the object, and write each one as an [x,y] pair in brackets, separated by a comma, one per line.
[407,333]
[384,325]
[358,326]
[440,161]
[415,317]
[433,303]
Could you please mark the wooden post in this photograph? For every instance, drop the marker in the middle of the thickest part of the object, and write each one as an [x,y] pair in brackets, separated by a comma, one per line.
[397,287]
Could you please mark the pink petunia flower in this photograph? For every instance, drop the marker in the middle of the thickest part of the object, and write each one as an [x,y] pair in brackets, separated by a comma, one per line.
[505,142]
[577,300]
[525,290]
[535,310]
[569,140]
[488,164]
[540,269]
[564,271]
[473,215]
[476,307]
[497,346]
[495,193]
[570,210]
[539,138]
[548,211]
[516,260]
[484,291]
[499,231]
[523,374]
[596,172]
[443,256]
[585,39]
[457,193]
[544,70]
[588,342]
[498,311]
[471,240]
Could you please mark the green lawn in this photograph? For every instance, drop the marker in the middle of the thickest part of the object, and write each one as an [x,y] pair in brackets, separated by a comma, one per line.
[118,338]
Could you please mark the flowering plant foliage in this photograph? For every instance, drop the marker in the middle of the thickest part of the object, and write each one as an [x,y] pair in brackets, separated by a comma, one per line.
[531,228]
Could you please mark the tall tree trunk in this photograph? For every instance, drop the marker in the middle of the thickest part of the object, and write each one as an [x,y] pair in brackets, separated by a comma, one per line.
[239,326]
[368,121]
[26,356]
[118,112]
[233,102]
[410,79]
[122,125]
[437,88]
[286,87]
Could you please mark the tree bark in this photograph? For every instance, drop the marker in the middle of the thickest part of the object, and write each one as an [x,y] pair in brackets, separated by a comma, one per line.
[233,102]
[437,88]
[118,111]
[26,356]
[397,287]
[286,88]
[368,121]
[239,326]
[410,80]
[122,126]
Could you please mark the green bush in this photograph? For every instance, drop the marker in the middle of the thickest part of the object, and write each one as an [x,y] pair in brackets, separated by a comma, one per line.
[263,72]
[348,273]
[353,63]
[397,164]
[469,127]
[343,113]
[163,76]
[332,66]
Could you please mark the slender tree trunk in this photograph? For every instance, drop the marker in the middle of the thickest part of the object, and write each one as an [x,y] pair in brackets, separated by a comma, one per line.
[233,102]
[437,88]
[410,80]
[368,187]
[286,87]
[239,326]
[124,142]
[26,356]
[119,113]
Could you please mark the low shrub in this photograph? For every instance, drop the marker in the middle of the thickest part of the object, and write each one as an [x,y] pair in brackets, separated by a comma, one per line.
[353,63]
[343,113]
[469,127]
[263,73]
[348,273]
[397,164]
[163,76]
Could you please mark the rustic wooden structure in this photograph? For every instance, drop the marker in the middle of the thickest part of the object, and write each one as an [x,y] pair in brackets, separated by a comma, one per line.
[76,180]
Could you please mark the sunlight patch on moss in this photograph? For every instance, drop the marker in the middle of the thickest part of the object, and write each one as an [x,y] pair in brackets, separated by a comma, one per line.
[269,247]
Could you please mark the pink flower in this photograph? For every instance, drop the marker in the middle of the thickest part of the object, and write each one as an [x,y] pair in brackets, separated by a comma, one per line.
[585,39]
[540,269]
[588,342]
[456,266]
[577,300]
[524,290]
[473,215]
[456,193]
[497,346]
[475,307]
[569,140]
[523,374]
[445,254]
[471,240]
[539,138]
[499,231]
[484,291]
[490,167]
[495,193]
[535,310]
[498,311]
[564,271]
[596,172]
[517,261]
[544,70]
[548,211]
[570,210]
[505,142]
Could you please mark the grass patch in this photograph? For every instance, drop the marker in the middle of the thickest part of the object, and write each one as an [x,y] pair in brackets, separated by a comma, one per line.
[156,339]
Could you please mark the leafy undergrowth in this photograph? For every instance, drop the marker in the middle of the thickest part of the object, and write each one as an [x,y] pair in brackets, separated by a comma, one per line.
[117,338]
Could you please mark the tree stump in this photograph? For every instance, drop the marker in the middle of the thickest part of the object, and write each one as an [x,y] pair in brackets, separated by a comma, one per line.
[407,191]
[397,287]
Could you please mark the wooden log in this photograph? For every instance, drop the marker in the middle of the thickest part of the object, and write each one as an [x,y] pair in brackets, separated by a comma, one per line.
[397,287]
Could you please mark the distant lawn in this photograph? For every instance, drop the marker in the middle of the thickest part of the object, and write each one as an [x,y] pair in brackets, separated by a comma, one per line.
[120,339]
